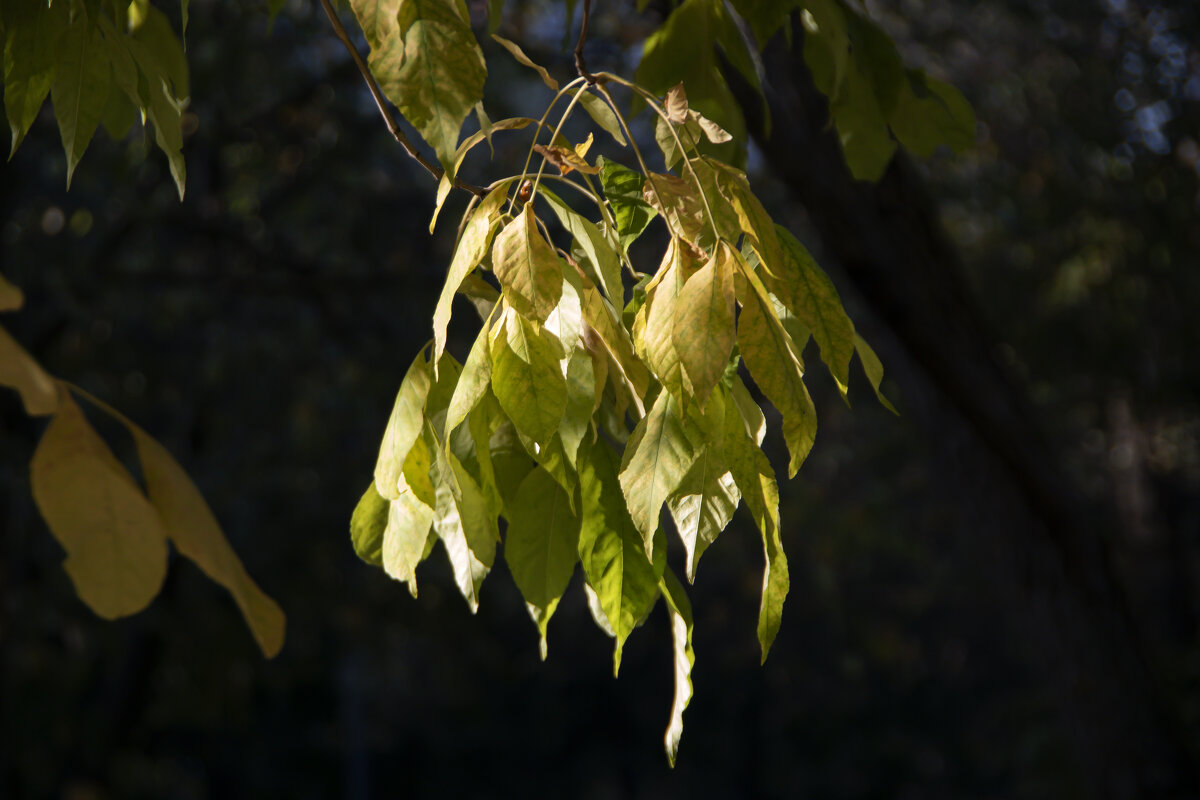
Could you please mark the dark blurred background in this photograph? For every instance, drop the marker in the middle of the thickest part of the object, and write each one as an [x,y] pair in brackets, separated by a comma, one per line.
[994,595]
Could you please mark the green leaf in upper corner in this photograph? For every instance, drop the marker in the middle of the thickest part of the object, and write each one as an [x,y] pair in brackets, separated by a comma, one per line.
[462,521]
[431,67]
[157,37]
[808,293]
[30,52]
[541,545]
[753,474]
[929,113]
[704,503]
[529,271]
[623,190]
[115,540]
[770,356]
[472,248]
[367,524]
[703,331]
[765,16]
[680,610]
[604,261]
[614,559]
[377,18]
[873,368]
[657,457]
[403,427]
[407,537]
[602,114]
[82,80]
[149,85]
[527,378]
[516,52]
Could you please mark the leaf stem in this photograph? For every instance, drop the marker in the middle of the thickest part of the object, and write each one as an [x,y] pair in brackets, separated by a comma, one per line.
[538,132]
[388,118]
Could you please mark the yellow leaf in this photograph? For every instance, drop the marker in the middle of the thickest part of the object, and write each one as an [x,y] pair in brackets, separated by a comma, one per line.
[19,371]
[11,297]
[565,158]
[115,542]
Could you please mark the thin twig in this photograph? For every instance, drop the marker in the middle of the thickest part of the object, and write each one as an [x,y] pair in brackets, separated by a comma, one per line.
[388,118]
[580,64]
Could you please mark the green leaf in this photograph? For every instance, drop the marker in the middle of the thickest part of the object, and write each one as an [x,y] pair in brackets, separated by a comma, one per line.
[599,255]
[407,539]
[82,80]
[462,521]
[527,378]
[152,91]
[367,525]
[403,427]
[657,457]
[765,16]
[873,368]
[158,39]
[752,218]
[623,190]
[541,545]
[704,503]
[654,324]
[680,610]
[809,294]
[472,248]
[771,357]
[433,70]
[614,560]
[473,383]
[703,331]
[929,113]
[681,207]
[445,183]
[752,472]
[31,35]
[115,540]
[602,114]
[529,271]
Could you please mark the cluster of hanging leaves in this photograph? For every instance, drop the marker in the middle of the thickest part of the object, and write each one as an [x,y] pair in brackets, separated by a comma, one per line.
[101,62]
[115,533]
[599,391]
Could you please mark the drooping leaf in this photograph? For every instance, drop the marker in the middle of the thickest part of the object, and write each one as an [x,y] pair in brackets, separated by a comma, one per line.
[367,524]
[407,536]
[661,450]
[681,207]
[445,183]
[473,383]
[115,540]
[614,560]
[30,52]
[530,274]
[703,332]
[771,357]
[472,248]
[602,115]
[541,545]
[431,67]
[680,610]
[873,367]
[623,190]
[515,50]
[403,427]
[929,113]
[19,370]
[765,16]
[377,18]
[809,294]
[462,521]
[82,79]
[527,378]
[754,477]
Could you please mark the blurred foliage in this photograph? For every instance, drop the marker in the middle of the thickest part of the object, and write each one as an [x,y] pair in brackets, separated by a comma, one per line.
[258,331]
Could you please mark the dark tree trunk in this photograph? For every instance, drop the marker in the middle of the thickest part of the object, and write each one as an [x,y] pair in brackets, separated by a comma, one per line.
[887,239]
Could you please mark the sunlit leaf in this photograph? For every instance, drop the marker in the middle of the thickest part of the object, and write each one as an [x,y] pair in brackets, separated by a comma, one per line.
[377,18]
[873,367]
[680,610]
[602,115]
[473,383]
[527,378]
[600,255]
[367,524]
[623,190]
[407,536]
[703,331]
[403,427]
[529,271]
[515,50]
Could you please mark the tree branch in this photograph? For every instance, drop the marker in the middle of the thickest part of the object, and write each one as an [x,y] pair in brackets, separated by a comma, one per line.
[580,64]
[388,118]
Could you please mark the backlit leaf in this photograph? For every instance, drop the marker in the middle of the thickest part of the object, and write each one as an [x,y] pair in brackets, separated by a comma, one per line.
[680,610]
[623,190]
[462,521]
[614,560]
[367,524]
[873,367]
[377,18]
[82,79]
[403,427]
[473,383]
[406,538]
[599,253]
[527,378]
[541,545]
[602,115]
[703,331]
[30,51]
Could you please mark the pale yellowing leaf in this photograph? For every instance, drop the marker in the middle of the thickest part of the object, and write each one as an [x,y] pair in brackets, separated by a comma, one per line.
[680,610]
[527,378]
[675,105]
[529,271]
[873,368]
[11,297]
[115,539]
[515,50]
[406,536]
[377,18]
[462,521]
[703,332]
[403,427]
